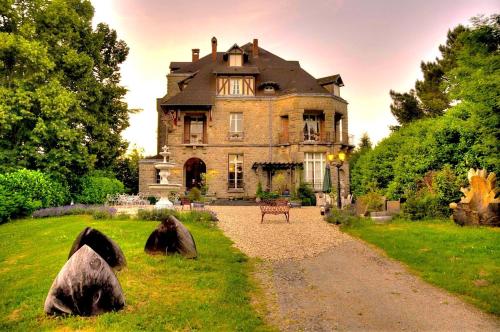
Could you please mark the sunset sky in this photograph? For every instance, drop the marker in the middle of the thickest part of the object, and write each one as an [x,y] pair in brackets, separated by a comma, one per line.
[374,45]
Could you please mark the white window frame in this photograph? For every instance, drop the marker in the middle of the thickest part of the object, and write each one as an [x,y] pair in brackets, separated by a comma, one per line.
[314,176]
[236,86]
[235,160]
[236,122]
[235,60]
[310,121]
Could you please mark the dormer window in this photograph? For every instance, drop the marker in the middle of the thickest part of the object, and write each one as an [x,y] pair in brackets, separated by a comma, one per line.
[235,60]
[269,89]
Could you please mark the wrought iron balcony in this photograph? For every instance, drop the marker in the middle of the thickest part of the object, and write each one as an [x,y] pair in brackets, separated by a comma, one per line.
[320,138]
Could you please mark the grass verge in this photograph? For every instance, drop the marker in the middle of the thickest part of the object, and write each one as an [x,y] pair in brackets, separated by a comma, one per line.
[211,293]
[462,260]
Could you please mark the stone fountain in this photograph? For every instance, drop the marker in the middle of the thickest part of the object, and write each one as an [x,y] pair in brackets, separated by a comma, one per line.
[165,187]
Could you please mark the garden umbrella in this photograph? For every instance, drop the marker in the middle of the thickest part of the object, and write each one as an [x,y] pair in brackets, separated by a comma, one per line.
[327,182]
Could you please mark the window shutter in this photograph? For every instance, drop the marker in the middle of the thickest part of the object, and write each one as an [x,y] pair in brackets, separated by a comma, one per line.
[322,133]
[187,125]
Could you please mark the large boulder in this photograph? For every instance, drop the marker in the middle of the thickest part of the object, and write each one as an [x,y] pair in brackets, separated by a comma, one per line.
[171,237]
[85,286]
[103,245]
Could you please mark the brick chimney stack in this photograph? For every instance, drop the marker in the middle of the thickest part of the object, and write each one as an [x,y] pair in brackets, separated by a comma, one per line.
[196,54]
[255,48]
[214,49]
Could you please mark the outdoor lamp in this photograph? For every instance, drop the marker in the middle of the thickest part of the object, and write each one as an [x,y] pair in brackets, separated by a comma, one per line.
[341,156]
[330,157]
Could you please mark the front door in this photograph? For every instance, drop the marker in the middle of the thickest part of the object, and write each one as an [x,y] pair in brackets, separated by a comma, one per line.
[194,168]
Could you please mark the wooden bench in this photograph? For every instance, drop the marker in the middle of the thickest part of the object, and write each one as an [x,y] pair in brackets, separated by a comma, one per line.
[277,206]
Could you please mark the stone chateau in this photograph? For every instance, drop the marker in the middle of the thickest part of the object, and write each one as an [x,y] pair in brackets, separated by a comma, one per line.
[246,116]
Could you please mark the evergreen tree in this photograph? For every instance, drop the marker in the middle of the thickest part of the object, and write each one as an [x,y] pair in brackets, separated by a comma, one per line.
[429,98]
[405,107]
[431,90]
[365,142]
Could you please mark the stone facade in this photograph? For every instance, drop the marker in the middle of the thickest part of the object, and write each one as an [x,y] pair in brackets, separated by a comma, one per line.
[263,139]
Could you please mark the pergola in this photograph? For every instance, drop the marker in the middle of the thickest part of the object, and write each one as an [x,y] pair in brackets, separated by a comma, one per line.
[270,167]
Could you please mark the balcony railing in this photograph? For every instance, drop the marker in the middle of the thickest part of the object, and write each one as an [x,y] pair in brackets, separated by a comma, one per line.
[323,137]
[347,140]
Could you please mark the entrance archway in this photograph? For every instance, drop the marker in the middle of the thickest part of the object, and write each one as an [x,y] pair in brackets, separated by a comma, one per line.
[194,168]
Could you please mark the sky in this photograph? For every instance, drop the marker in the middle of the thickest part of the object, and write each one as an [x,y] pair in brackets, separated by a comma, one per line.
[374,45]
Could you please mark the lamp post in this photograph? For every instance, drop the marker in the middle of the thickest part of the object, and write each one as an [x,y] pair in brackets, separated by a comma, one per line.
[337,163]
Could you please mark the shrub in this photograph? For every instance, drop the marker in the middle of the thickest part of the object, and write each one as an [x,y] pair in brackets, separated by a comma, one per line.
[259,190]
[306,194]
[346,218]
[156,214]
[424,204]
[269,195]
[100,214]
[24,191]
[200,216]
[95,189]
[73,210]
[194,195]
[152,200]
[372,201]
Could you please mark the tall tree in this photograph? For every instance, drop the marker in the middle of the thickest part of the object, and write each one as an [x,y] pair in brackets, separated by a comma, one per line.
[405,107]
[431,90]
[365,142]
[430,97]
[61,107]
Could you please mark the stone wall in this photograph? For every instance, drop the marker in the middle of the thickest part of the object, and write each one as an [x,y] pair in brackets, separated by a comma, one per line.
[261,120]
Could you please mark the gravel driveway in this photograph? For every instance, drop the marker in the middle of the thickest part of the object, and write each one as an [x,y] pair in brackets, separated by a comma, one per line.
[319,279]
[305,236]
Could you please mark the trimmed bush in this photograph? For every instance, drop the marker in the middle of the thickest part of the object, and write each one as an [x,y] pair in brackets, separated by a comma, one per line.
[306,194]
[194,195]
[24,191]
[96,188]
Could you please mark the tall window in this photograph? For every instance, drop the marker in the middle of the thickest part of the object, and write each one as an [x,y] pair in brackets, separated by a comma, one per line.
[236,86]
[236,123]
[194,129]
[235,60]
[314,168]
[235,171]
[311,127]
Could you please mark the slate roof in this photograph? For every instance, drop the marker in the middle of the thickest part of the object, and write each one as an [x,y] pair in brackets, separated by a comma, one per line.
[266,67]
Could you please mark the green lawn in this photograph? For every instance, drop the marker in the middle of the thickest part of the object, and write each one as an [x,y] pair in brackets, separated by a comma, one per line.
[211,293]
[463,260]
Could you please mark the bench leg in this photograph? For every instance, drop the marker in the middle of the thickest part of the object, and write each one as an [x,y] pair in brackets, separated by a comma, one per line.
[287,215]
[262,219]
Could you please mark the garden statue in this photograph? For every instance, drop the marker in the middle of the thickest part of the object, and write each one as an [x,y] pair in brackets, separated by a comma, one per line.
[165,187]
[479,206]
[171,237]
[102,245]
[85,286]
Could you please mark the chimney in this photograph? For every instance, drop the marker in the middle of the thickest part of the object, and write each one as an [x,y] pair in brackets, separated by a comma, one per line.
[255,48]
[196,54]
[214,49]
